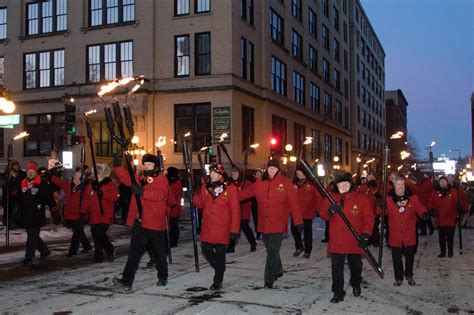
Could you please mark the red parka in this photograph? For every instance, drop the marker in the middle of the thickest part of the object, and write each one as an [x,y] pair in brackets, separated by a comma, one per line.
[72,207]
[402,220]
[176,190]
[276,200]
[154,200]
[91,202]
[309,200]
[360,214]
[445,207]
[245,202]
[221,216]
[425,188]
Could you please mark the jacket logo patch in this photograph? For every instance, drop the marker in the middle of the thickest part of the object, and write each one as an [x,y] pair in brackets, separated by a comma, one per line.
[224,195]
[149,179]
[280,188]
[355,210]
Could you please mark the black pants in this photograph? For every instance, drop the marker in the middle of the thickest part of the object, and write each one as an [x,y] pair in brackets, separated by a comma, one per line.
[255,217]
[273,265]
[174,232]
[244,225]
[375,237]
[397,253]
[139,238]
[337,267]
[446,236]
[78,237]
[326,230]
[308,236]
[422,225]
[101,241]
[34,242]
[215,256]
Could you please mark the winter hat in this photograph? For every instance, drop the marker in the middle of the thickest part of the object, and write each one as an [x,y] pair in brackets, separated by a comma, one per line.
[343,177]
[31,166]
[217,167]
[150,158]
[103,169]
[443,177]
[172,173]
[274,162]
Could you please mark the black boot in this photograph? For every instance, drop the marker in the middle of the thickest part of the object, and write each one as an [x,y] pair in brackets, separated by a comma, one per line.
[122,284]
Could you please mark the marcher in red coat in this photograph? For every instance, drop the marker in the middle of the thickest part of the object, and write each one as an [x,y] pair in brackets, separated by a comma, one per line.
[153,190]
[444,202]
[72,209]
[342,243]
[245,208]
[101,219]
[402,208]
[309,200]
[462,203]
[276,198]
[425,187]
[220,222]
[176,190]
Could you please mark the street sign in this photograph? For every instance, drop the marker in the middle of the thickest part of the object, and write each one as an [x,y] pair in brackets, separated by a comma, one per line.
[8,121]
[221,123]
[67,159]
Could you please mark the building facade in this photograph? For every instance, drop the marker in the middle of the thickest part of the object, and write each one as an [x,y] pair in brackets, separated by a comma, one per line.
[367,90]
[254,69]
[396,109]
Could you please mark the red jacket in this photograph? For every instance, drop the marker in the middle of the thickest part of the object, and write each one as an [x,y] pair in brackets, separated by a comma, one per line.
[245,201]
[276,200]
[402,225]
[358,211]
[221,216]
[176,190]
[445,207]
[91,202]
[425,188]
[411,185]
[309,200]
[154,201]
[462,199]
[72,207]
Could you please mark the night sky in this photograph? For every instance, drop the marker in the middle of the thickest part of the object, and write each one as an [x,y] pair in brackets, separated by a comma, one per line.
[429,47]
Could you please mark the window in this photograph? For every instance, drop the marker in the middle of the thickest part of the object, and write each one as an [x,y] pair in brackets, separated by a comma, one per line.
[346,89]
[44,69]
[182,56]
[324,7]
[277,28]
[338,112]
[298,88]
[107,12]
[296,45]
[299,132]
[339,149]
[251,61]
[337,80]
[248,127]
[364,118]
[335,17]
[325,37]
[325,70]
[243,9]
[346,61]
[3,23]
[251,14]
[336,49]
[328,148]
[344,6]
[181,7]
[313,59]
[315,144]
[2,71]
[346,117]
[46,134]
[312,23]
[104,144]
[345,31]
[111,61]
[296,9]
[46,17]
[194,118]
[327,105]
[202,6]
[358,114]
[347,153]
[202,48]
[314,95]
[278,76]
[279,133]
[243,58]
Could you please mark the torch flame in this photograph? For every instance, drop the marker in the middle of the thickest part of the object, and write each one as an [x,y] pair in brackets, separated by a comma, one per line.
[21,135]
[90,112]
[308,140]
[404,155]
[187,134]
[104,89]
[161,141]
[126,81]
[223,136]
[254,146]
[400,167]
[370,161]
[397,135]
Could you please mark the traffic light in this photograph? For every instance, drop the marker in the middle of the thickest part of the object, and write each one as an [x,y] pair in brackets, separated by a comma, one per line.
[273,146]
[70,118]
[210,150]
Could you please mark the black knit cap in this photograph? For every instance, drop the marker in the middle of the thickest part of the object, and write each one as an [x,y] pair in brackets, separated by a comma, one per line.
[150,158]
[274,162]
[343,177]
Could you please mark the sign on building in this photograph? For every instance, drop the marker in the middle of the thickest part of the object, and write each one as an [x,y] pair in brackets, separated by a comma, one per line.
[221,123]
[8,121]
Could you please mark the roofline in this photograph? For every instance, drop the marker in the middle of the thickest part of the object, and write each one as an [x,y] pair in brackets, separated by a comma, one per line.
[370,25]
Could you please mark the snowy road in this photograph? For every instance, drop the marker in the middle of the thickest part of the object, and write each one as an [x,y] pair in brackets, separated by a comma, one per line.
[444,286]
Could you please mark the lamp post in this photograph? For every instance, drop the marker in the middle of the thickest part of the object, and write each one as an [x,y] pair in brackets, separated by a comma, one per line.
[7,186]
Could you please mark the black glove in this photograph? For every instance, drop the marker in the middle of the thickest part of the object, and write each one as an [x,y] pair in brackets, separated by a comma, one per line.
[300,228]
[137,190]
[333,209]
[363,239]
[382,203]
[234,238]
[425,216]
[99,192]
[117,158]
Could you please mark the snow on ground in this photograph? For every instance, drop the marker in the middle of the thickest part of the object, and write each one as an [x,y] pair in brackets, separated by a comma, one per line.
[443,285]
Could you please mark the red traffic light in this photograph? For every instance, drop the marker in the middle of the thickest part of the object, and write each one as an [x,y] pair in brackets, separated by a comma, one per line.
[273,141]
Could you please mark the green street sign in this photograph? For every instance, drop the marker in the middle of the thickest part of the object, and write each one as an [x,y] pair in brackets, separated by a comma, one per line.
[8,120]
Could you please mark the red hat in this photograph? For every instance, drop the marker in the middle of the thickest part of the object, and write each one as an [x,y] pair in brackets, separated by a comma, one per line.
[31,166]
[216,167]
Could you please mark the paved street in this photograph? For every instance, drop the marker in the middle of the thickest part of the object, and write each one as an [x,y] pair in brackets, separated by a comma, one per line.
[64,286]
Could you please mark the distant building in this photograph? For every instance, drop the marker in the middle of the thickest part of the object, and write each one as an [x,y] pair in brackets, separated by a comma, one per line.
[396,105]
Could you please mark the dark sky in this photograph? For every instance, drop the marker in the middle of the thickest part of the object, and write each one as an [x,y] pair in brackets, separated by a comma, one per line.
[429,47]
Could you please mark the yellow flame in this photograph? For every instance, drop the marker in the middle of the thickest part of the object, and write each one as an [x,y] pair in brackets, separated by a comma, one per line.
[90,112]
[161,141]
[135,139]
[308,140]
[187,134]
[203,148]
[126,81]
[397,135]
[404,155]
[400,167]
[6,106]
[370,161]
[104,89]
[223,136]
[21,135]
[254,146]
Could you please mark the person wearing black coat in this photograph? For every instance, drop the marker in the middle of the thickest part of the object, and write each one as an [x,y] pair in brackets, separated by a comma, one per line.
[13,179]
[35,195]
